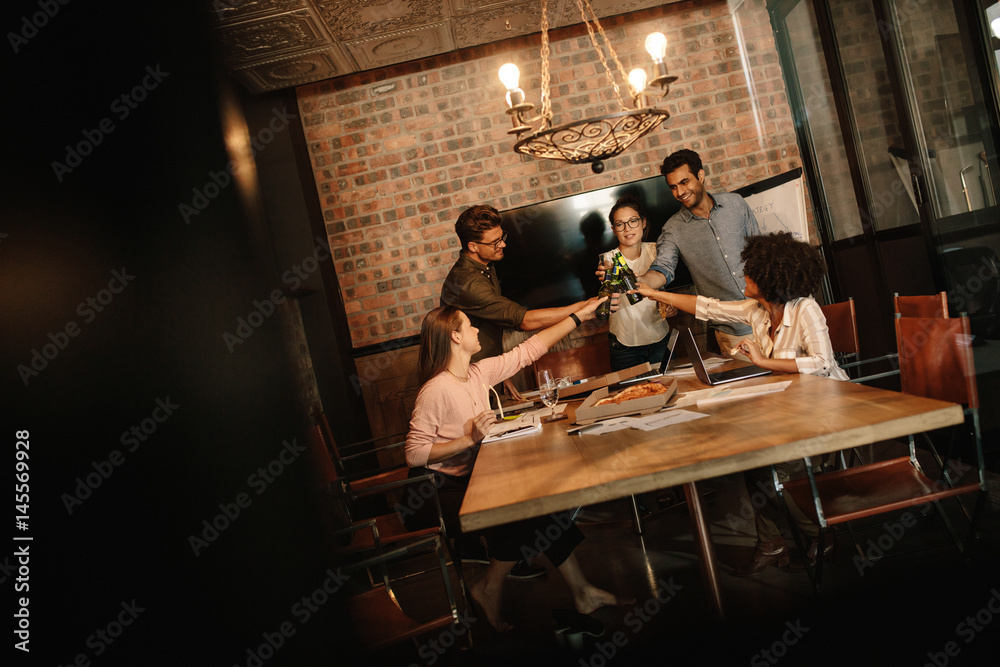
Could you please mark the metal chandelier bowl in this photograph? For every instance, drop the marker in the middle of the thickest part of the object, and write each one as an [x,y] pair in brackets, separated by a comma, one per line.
[592,139]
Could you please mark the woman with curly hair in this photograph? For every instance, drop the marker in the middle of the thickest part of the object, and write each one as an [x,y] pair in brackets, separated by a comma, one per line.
[789,336]
[789,330]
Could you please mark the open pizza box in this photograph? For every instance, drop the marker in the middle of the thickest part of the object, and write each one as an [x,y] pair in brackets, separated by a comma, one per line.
[588,412]
[598,381]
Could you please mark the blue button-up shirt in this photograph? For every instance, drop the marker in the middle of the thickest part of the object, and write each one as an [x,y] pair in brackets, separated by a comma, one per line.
[710,249]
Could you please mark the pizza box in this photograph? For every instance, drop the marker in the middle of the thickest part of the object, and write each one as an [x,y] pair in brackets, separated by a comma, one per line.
[598,381]
[588,412]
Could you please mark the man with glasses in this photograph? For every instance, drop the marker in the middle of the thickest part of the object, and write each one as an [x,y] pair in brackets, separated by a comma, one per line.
[708,234]
[472,285]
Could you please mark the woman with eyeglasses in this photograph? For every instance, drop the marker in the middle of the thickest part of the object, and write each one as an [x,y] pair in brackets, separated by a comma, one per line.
[638,332]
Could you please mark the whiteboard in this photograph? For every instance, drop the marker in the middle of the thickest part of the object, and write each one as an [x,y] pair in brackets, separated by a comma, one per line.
[779,204]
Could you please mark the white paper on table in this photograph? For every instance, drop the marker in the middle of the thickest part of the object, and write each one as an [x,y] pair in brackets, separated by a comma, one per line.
[661,419]
[607,426]
[726,394]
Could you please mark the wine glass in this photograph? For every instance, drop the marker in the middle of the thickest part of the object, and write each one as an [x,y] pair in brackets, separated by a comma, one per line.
[548,391]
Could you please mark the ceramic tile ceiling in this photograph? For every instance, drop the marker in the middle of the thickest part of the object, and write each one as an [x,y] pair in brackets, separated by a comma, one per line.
[273,44]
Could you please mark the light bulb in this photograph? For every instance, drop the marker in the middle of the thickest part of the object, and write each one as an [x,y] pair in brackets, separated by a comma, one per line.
[995,27]
[509,75]
[637,78]
[656,46]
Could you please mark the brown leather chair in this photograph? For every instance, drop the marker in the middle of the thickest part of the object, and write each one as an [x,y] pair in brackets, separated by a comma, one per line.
[931,305]
[842,324]
[392,464]
[935,356]
[378,615]
[578,363]
[338,495]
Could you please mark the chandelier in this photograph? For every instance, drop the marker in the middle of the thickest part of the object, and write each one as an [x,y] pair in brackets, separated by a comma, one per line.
[591,140]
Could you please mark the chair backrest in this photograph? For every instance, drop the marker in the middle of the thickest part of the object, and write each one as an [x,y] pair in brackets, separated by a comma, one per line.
[842,322]
[323,469]
[930,305]
[327,434]
[935,359]
[578,363]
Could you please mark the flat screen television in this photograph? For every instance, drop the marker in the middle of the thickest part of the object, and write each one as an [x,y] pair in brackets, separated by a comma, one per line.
[553,247]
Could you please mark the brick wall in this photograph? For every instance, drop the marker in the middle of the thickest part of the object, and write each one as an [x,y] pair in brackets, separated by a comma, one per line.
[398,153]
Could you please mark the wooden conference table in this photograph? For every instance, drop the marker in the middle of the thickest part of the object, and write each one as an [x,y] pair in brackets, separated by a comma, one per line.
[552,471]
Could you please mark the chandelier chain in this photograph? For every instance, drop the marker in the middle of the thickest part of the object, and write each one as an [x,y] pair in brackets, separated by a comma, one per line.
[585,5]
[546,113]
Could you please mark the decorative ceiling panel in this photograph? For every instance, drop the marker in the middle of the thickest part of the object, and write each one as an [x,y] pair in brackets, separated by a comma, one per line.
[493,25]
[298,30]
[350,19]
[235,10]
[270,44]
[605,8]
[420,42]
[294,70]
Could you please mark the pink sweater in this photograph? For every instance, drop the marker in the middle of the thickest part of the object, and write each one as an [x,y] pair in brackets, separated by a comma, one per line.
[446,407]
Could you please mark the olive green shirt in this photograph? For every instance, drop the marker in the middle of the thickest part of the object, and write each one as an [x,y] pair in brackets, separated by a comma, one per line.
[474,289]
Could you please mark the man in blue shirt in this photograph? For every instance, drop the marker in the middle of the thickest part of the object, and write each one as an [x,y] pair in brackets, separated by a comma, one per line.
[708,234]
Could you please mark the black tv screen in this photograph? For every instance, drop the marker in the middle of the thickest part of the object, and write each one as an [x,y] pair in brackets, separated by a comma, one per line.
[553,247]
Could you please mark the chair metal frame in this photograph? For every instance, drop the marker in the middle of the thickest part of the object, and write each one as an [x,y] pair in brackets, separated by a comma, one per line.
[846,344]
[910,486]
[388,528]
[384,600]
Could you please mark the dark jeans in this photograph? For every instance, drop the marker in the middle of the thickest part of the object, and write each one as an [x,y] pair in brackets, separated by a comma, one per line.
[623,356]
[555,535]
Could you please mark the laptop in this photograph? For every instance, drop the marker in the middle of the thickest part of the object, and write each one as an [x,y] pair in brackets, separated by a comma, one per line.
[665,363]
[719,377]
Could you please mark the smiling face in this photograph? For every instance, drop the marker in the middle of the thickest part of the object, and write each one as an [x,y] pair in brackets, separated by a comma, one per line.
[688,188]
[490,247]
[628,236]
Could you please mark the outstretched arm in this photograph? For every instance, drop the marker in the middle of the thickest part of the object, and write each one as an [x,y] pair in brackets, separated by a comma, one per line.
[584,310]
[685,302]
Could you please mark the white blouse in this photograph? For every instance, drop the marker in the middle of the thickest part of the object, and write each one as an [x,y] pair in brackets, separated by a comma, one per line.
[638,324]
[802,334]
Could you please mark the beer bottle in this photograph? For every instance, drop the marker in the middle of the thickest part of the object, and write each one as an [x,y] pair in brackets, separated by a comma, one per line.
[611,285]
[628,278]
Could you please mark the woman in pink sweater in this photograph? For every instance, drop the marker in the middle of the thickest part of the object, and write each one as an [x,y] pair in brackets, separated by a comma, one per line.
[450,419]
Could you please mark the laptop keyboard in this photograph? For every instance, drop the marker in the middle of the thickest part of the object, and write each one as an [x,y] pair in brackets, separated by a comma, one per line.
[642,376]
[734,373]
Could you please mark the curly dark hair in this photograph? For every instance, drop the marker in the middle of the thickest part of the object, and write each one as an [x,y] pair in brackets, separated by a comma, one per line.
[783,268]
[678,159]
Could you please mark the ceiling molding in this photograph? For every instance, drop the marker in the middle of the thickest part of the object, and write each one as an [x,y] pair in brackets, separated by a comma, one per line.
[273,44]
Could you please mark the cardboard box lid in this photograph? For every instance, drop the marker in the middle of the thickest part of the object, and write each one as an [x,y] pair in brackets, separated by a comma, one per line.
[590,384]
[588,413]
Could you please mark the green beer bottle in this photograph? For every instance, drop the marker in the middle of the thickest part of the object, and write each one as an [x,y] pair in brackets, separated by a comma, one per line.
[612,284]
[627,277]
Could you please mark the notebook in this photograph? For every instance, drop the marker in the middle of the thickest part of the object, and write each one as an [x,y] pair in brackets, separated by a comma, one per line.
[719,377]
[668,355]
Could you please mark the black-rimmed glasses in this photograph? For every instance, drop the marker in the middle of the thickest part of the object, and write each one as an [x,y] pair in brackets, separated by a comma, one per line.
[631,222]
[495,244]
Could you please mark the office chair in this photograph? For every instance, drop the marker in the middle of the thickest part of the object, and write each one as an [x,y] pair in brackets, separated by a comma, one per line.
[935,356]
